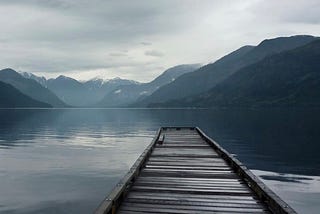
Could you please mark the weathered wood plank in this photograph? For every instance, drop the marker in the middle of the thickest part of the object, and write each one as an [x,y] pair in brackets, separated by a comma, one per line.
[175,208]
[189,186]
[192,200]
[186,196]
[193,180]
[216,174]
[183,164]
[177,183]
[201,160]
[193,203]
[183,171]
[188,167]
[193,190]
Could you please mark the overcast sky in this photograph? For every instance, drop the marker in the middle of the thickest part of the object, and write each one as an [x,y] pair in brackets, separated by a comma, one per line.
[139,39]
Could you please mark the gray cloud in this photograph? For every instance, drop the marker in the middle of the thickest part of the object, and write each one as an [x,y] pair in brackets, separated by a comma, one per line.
[146,43]
[154,53]
[80,37]
[298,11]
[118,54]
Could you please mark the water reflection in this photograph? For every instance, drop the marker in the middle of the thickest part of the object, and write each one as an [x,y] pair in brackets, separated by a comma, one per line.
[301,192]
[285,178]
[65,160]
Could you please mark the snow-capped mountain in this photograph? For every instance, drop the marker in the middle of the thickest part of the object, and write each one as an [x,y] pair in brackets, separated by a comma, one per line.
[80,93]
[128,94]
[40,79]
[99,82]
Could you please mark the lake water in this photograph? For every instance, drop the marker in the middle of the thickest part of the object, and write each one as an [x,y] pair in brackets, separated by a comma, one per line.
[67,160]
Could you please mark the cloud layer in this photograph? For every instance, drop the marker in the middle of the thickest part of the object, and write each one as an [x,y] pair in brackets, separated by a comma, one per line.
[139,39]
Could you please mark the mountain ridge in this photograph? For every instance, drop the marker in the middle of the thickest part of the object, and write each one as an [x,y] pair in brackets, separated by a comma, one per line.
[30,87]
[208,76]
[79,93]
[11,97]
[127,95]
[290,78]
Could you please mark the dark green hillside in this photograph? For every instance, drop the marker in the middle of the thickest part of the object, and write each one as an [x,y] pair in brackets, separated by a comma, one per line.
[208,76]
[13,98]
[290,78]
[30,87]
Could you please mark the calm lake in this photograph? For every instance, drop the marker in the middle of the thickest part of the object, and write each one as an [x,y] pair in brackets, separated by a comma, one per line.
[67,160]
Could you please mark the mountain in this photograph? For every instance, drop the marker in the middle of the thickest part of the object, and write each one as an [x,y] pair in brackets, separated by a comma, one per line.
[129,94]
[30,87]
[107,84]
[84,94]
[77,93]
[100,87]
[10,97]
[68,90]
[208,76]
[41,80]
[290,78]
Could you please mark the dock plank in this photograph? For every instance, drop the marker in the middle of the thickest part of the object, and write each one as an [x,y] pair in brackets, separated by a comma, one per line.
[186,172]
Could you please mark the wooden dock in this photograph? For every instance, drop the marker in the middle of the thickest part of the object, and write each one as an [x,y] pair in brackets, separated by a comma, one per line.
[184,171]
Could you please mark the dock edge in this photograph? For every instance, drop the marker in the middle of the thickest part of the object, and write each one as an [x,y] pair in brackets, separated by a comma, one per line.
[276,205]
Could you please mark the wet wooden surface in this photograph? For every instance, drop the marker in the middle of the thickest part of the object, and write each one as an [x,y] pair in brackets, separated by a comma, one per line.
[184,174]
